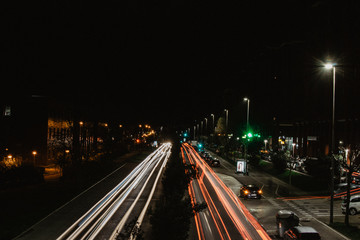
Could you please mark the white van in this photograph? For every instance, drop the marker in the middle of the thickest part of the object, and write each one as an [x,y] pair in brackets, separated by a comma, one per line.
[354,206]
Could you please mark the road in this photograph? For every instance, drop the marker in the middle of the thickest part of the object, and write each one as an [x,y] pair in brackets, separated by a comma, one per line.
[225,217]
[106,217]
[312,211]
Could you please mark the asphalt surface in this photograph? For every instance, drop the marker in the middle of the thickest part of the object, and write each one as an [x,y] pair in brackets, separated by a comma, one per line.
[60,220]
[312,212]
[225,217]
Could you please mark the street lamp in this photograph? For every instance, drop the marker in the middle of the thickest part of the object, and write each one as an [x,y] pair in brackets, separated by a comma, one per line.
[265,142]
[247,114]
[206,131]
[293,145]
[247,130]
[332,66]
[195,132]
[213,126]
[34,154]
[226,120]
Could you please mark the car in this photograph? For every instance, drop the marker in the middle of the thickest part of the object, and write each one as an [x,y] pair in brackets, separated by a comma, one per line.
[354,206]
[302,232]
[209,158]
[250,191]
[215,162]
[285,219]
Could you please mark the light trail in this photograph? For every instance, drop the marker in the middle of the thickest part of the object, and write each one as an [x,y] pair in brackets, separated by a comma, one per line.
[198,224]
[215,216]
[244,223]
[337,195]
[142,214]
[94,220]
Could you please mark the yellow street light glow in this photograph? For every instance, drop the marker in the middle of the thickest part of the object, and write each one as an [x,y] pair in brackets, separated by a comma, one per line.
[34,152]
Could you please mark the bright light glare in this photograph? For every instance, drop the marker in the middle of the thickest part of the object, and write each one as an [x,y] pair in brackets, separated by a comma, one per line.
[245,99]
[328,66]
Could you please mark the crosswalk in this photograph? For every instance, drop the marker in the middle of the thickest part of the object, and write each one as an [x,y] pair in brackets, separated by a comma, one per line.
[317,207]
[307,208]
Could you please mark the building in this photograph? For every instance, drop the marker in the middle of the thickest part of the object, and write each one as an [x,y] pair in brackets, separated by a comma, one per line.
[313,138]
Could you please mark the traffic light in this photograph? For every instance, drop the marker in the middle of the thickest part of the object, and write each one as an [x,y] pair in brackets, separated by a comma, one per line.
[249,136]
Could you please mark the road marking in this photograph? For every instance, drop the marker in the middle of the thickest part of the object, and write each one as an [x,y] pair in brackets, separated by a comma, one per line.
[58,209]
[298,209]
[275,204]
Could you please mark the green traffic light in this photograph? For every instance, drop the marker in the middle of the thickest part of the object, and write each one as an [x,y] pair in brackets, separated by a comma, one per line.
[250,135]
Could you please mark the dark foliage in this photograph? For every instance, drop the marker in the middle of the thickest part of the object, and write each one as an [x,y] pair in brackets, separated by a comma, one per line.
[279,161]
[319,167]
[254,160]
[171,217]
[20,176]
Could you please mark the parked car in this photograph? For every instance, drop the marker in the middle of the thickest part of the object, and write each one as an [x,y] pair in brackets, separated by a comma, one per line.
[250,191]
[354,206]
[302,232]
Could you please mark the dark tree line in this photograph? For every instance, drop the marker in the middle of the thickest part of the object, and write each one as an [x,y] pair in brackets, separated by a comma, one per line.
[172,215]
[171,218]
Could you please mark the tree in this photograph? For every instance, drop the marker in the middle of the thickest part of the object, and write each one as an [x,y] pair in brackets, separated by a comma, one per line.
[350,162]
[173,211]
[279,161]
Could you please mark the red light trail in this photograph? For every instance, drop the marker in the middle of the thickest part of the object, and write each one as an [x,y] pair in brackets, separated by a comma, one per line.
[229,216]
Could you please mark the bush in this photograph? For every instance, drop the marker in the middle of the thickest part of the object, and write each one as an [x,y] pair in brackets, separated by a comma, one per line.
[279,161]
[319,167]
[255,160]
[172,215]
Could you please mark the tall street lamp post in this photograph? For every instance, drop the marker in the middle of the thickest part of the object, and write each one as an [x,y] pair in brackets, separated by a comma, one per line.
[247,130]
[331,66]
[213,126]
[206,131]
[226,120]
[34,154]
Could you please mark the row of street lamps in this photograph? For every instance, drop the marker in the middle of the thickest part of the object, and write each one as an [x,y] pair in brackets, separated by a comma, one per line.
[226,120]
[329,66]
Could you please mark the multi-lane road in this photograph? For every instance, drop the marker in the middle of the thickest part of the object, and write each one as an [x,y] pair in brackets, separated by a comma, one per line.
[313,211]
[225,217]
[127,201]
[102,212]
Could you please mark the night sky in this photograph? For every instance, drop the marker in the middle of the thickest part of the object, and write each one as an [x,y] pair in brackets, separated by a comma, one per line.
[177,61]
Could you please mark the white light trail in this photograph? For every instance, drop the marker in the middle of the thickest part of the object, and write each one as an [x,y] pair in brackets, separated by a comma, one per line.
[93,221]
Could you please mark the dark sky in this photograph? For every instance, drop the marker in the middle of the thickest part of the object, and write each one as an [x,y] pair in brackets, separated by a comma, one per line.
[177,61]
